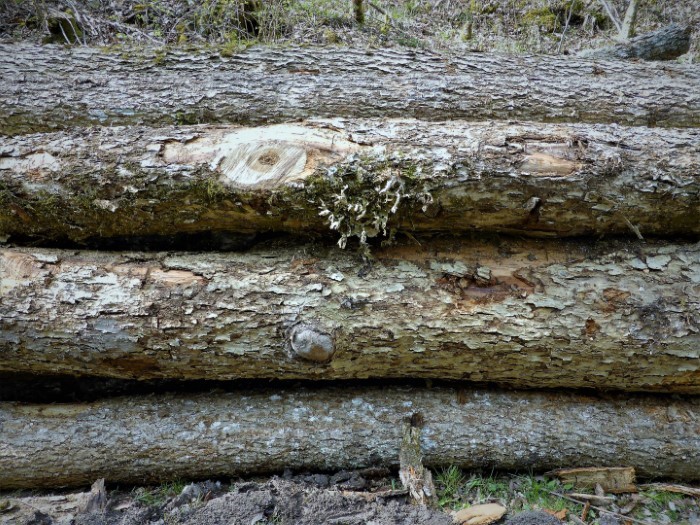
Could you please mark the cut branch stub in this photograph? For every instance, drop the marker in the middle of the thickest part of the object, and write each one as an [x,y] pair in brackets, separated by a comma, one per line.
[261,158]
[311,344]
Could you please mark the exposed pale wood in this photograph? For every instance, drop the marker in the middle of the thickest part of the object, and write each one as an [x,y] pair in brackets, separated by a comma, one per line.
[363,177]
[50,87]
[614,480]
[527,313]
[665,44]
[416,479]
[672,487]
[154,438]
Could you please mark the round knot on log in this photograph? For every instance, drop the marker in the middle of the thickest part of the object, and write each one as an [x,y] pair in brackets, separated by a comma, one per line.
[309,343]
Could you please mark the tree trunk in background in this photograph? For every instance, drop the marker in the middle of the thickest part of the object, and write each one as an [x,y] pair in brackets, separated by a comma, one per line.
[524,313]
[365,177]
[156,438]
[665,44]
[51,87]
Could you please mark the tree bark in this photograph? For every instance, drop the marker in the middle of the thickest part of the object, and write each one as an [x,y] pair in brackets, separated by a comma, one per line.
[523,313]
[364,177]
[667,43]
[54,87]
[153,439]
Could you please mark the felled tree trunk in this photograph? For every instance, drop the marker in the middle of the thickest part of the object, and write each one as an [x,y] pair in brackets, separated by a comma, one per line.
[524,313]
[156,438]
[362,177]
[665,44]
[52,87]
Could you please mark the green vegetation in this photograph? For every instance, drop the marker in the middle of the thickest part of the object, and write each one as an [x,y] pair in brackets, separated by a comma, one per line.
[516,492]
[155,496]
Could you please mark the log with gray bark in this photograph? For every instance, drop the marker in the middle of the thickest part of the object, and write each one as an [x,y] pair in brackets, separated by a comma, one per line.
[362,177]
[606,315]
[666,43]
[55,87]
[157,438]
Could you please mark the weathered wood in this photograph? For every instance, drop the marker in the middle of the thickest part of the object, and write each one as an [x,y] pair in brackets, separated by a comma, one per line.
[364,177]
[52,87]
[614,480]
[665,44]
[524,313]
[155,438]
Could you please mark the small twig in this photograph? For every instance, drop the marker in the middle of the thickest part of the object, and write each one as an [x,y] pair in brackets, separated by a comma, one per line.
[377,8]
[568,19]
[669,487]
[632,227]
[612,14]
[627,30]
[584,512]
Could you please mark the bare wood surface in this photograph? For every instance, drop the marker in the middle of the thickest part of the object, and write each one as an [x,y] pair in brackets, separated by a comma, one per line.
[526,313]
[361,177]
[666,43]
[614,480]
[155,438]
[52,87]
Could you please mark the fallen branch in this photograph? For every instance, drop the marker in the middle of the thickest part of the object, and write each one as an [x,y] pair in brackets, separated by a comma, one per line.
[525,313]
[44,88]
[155,438]
[362,178]
[667,43]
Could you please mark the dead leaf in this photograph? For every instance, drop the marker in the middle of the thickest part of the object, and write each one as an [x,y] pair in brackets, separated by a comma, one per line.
[479,514]
[560,515]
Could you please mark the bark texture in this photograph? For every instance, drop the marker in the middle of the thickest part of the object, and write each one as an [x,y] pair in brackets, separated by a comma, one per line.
[667,43]
[51,87]
[362,177]
[524,313]
[152,439]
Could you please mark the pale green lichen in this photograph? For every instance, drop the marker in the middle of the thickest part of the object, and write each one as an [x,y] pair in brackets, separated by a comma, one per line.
[362,197]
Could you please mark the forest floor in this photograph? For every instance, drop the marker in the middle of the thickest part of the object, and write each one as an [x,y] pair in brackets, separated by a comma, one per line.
[459,26]
[372,496]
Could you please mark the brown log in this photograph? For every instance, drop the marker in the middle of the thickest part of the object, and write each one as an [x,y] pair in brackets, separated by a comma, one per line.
[156,438]
[667,43]
[606,315]
[57,87]
[362,177]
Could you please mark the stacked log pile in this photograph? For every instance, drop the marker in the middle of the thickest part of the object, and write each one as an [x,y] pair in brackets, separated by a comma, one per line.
[502,222]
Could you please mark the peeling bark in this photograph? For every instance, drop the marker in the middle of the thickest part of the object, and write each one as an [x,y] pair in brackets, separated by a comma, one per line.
[667,43]
[153,439]
[362,177]
[522,313]
[52,87]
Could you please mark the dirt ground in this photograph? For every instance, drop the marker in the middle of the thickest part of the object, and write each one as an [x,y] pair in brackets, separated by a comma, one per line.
[309,500]
[371,497]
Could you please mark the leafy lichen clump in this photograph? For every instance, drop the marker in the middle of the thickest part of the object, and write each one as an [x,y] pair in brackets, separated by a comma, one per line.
[364,196]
